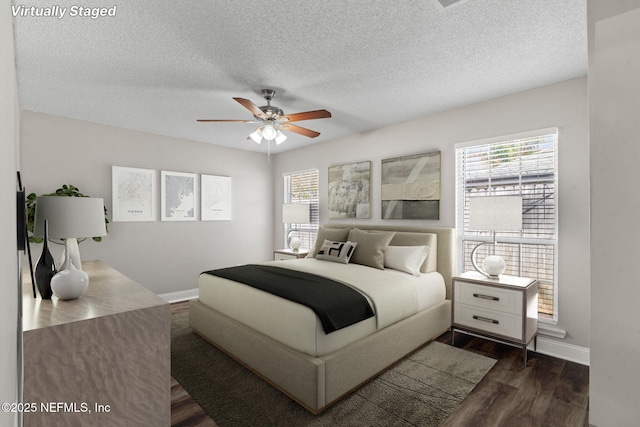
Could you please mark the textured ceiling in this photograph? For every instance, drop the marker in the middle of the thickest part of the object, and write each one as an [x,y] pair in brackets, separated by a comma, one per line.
[157,66]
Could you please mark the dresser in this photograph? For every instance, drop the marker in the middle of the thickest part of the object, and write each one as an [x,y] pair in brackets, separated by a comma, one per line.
[503,309]
[101,360]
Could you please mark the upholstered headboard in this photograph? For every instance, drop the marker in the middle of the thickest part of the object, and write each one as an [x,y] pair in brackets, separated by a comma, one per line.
[445,245]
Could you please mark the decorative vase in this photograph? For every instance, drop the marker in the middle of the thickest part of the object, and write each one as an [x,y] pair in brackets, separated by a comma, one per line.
[69,283]
[45,268]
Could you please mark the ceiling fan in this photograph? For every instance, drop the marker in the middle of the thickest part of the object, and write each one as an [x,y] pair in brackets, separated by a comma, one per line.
[273,120]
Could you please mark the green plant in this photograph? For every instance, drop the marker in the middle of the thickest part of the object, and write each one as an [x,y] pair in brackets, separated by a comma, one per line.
[64,191]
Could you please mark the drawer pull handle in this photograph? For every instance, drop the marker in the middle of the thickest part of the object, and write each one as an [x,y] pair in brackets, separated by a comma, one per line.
[486,319]
[492,298]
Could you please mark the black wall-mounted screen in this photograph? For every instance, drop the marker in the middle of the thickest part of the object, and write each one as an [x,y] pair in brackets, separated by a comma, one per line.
[21,228]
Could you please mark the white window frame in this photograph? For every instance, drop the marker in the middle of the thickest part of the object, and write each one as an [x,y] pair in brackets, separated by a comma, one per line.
[507,237]
[306,232]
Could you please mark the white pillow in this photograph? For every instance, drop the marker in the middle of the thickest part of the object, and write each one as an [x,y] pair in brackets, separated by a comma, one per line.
[406,258]
[336,251]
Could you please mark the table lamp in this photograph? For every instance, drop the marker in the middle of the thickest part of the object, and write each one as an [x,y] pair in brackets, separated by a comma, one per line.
[70,218]
[293,213]
[494,213]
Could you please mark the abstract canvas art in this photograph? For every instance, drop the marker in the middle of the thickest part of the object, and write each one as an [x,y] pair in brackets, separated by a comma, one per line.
[350,190]
[133,194]
[178,196]
[411,187]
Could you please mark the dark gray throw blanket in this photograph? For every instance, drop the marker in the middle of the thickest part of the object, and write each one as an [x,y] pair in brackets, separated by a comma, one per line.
[336,304]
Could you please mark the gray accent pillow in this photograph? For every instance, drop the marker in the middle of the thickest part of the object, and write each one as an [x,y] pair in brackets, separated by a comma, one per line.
[336,251]
[333,234]
[371,246]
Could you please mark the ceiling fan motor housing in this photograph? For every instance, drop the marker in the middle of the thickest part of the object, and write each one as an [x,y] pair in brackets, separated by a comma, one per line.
[272,112]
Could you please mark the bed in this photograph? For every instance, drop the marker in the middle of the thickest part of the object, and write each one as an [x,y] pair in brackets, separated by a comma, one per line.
[287,344]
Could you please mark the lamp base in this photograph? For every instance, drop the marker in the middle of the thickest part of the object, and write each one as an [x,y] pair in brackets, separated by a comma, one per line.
[492,266]
[70,282]
[293,242]
[71,244]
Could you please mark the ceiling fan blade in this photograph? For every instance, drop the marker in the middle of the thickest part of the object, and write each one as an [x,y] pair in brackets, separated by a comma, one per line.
[229,121]
[300,130]
[251,107]
[307,115]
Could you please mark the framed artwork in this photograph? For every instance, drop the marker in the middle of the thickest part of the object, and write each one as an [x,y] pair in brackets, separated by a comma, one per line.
[215,198]
[350,190]
[411,187]
[133,193]
[178,196]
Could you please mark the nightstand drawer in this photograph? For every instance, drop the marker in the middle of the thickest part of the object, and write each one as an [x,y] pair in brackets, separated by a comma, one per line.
[489,297]
[278,256]
[505,324]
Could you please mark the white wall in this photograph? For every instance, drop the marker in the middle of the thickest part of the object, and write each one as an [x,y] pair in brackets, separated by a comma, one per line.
[614,94]
[9,117]
[165,257]
[562,105]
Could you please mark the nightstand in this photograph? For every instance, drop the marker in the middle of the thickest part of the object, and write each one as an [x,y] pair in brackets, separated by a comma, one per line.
[282,254]
[503,309]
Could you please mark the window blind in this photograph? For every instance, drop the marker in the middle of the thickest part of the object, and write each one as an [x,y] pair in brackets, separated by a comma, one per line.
[523,165]
[302,187]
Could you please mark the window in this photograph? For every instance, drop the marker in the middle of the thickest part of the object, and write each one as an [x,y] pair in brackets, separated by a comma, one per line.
[524,165]
[302,187]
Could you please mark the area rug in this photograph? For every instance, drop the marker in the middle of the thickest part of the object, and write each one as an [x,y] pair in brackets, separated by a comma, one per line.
[421,390]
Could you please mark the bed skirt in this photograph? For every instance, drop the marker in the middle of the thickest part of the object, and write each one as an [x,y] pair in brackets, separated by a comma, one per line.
[318,382]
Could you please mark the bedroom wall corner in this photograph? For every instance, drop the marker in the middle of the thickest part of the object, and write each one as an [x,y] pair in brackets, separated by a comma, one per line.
[614,67]
[9,143]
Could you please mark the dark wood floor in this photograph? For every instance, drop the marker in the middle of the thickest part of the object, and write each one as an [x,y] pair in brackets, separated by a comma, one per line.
[549,392]
[186,412]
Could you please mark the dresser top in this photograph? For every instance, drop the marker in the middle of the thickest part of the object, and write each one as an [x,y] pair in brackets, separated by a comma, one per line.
[109,292]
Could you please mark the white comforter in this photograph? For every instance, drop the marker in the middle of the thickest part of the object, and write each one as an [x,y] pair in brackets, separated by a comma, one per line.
[392,295]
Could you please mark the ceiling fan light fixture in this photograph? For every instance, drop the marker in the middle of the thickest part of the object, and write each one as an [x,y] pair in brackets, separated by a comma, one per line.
[271,119]
[256,135]
[269,132]
[280,137]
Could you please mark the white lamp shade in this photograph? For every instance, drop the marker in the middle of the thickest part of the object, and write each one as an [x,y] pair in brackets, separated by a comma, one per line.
[501,213]
[295,213]
[67,217]
[280,137]
[256,135]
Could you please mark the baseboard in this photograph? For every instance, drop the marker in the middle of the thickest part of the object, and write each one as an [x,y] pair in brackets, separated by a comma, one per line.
[180,295]
[570,352]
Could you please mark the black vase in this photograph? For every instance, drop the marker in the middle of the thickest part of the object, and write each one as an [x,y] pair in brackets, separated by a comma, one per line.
[45,268]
